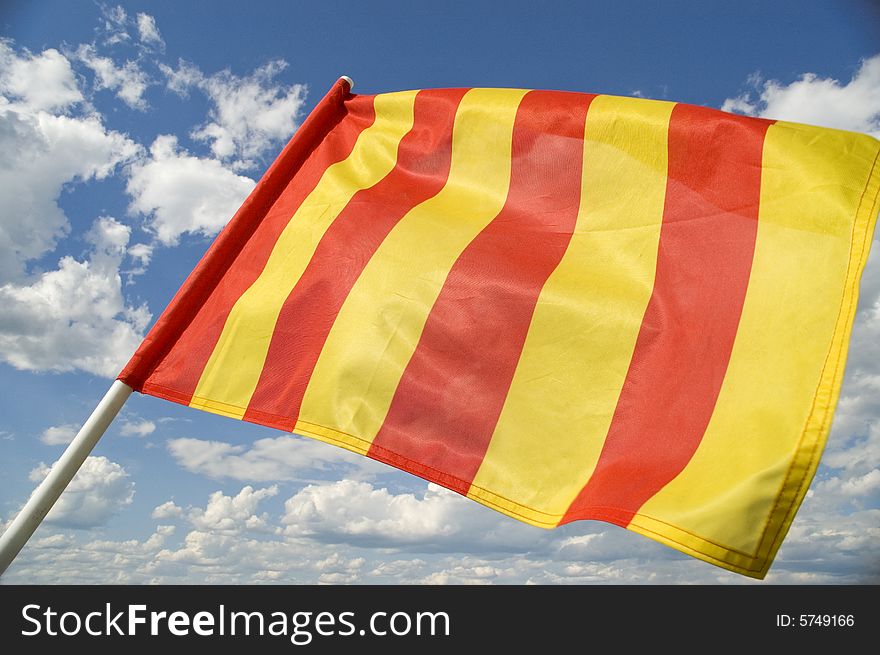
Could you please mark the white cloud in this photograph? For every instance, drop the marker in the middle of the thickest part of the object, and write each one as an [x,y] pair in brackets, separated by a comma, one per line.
[399,568]
[75,316]
[231,540]
[42,153]
[337,569]
[167,510]
[59,435]
[268,459]
[43,82]
[148,32]
[62,558]
[851,486]
[233,513]
[100,489]
[115,25]
[479,574]
[142,252]
[249,115]
[179,193]
[436,519]
[140,255]
[128,80]
[854,105]
[185,77]
[137,428]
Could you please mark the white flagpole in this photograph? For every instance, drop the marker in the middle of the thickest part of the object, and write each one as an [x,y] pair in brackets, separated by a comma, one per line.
[41,501]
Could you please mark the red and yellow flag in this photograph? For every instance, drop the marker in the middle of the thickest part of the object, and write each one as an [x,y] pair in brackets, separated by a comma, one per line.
[565,306]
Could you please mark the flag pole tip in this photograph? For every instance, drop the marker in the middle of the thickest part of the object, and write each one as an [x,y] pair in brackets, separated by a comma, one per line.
[348,80]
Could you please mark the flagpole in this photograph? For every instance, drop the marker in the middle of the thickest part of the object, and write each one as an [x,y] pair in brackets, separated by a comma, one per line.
[62,472]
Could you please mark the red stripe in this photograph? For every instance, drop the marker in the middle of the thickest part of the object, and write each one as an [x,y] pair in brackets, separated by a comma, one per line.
[239,254]
[450,396]
[421,171]
[704,259]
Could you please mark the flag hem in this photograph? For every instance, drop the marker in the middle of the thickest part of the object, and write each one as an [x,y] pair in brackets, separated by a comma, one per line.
[818,426]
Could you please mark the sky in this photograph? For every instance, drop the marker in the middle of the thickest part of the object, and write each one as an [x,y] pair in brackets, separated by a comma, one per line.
[130,133]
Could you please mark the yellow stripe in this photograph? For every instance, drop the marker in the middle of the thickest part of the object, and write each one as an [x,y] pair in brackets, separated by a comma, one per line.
[233,371]
[588,316]
[808,256]
[382,319]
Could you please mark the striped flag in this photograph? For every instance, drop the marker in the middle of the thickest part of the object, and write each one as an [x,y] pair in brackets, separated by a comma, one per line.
[565,306]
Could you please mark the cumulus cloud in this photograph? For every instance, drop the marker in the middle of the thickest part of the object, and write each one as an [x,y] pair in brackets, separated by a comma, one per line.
[852,105]
[59,435]
[100,489]
[231,540]
[233,513]
[167,510]
[62,558]
[42,152]
[268,459]
[179,193]
[474,574]
[42,82]
[74,317]
[358,513]
[137,428]
[337,569]
[127,80]
[249,115]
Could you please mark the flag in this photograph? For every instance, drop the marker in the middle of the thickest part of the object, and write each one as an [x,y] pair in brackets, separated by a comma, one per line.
[564,306]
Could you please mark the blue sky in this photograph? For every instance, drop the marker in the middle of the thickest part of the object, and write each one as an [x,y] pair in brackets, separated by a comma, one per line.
[130,133]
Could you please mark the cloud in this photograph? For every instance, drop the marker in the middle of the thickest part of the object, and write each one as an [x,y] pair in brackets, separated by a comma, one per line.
[148,32]
[140,255]
[62,558]
[230,540]
[337,569]
[249,115]
[854,105]
[100,489]
[185,77]
[42,82]
[479,574]
[59,435]
[436,519]
[831,544]
[268,459]
[42,153]
[115,24]
[74,317]
[167,510]
[142,252]
[137,428]
[233,513]
[179,193]
[399,568]
[128,80]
